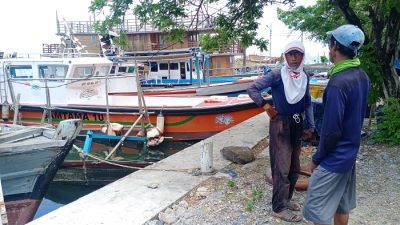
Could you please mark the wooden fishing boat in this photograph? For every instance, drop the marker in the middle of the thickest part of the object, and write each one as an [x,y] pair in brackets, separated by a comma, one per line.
[185,118]
[29,159]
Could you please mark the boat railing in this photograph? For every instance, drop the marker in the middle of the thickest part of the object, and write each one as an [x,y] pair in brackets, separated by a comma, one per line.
[59,51]
[134,25]
[235,71]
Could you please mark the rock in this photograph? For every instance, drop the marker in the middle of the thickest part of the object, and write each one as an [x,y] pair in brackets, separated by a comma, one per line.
[202,191]
[153,185]
[154,222]
[264,153]
[184,204]
[236,154]
[221,175]
[167,217]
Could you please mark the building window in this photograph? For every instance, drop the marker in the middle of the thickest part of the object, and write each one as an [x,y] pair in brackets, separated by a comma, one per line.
[93,40]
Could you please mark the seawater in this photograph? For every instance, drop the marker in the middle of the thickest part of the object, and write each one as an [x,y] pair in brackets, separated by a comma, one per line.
[59,195]
[67,191]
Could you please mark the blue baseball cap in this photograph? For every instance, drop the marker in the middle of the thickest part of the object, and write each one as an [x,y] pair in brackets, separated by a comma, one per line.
[349,36]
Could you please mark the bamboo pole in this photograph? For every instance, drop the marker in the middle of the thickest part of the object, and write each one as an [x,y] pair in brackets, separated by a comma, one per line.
[48,102]
[107,107]
[16,109]
[124,137]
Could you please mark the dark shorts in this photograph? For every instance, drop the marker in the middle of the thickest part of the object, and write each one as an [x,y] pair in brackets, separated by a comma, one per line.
[329,193]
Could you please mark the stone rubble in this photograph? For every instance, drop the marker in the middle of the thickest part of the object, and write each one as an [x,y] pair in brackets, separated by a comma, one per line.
[225,199]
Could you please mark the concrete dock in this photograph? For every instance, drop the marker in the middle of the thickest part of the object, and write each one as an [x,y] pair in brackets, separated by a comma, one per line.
[140,196]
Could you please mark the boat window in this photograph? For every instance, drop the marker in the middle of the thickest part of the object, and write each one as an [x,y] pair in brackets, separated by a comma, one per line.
[104,70]
[173,66]
[131,69]
[83,72]
[53,72]
[193,66]
[154,66]
[21,71]
[112,71]
[122,69]
[163,66]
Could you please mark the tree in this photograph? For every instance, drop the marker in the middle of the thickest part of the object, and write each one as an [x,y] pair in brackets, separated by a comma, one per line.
[324,59]
[234,20]
[380,21]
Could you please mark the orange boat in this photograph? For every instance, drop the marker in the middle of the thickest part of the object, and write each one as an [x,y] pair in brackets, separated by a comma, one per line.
[185,118]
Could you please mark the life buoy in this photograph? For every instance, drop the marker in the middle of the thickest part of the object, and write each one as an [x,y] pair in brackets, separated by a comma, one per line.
[301,184]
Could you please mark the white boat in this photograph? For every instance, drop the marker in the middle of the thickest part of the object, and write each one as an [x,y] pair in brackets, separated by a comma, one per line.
[231,86]
[77,88]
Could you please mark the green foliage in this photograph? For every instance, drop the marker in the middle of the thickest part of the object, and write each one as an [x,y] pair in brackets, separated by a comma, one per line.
[162,14]
[122,40]
[256,196]
[380,23]
[315,20]
[231,183]
[324,59]
[209,42]
[389,123]
[371,66]
[236,21]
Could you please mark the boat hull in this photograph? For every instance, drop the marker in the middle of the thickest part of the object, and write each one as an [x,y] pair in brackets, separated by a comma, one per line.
[24,191]
[22,211]
[180,124]
[26,172]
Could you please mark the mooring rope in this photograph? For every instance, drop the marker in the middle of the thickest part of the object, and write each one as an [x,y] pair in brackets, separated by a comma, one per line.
[80,150]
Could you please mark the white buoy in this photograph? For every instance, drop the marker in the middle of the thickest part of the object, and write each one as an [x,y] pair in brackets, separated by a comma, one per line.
[5,111]
[206,157]
[160,122]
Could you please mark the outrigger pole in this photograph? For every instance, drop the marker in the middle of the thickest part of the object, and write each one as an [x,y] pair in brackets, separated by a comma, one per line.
[142,114]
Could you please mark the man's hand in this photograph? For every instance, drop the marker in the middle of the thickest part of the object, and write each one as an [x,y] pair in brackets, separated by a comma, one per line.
[271,111]
[307,134]
[313,166]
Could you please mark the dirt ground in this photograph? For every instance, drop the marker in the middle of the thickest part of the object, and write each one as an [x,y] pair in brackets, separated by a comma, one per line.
[240,194]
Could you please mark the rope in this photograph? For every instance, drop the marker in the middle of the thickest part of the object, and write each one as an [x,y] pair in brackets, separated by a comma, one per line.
[125,166]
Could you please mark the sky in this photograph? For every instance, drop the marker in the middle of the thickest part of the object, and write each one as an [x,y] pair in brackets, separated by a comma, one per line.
[281,34]
[27,24]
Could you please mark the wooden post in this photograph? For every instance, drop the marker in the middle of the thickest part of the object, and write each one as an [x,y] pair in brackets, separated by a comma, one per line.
[16,109]
[206,162]
[3,213]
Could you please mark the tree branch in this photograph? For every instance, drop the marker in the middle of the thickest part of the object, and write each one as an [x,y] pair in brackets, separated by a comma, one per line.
[349,14]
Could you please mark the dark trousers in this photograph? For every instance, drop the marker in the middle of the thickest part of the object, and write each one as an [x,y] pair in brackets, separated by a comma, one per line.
[284,149]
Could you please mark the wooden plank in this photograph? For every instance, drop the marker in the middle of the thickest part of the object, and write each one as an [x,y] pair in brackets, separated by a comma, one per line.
[20,134]
[3,213]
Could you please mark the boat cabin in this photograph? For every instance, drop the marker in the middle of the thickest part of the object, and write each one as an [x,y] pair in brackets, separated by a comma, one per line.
[33,77]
